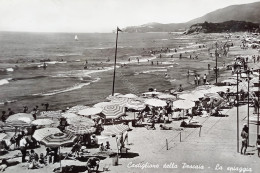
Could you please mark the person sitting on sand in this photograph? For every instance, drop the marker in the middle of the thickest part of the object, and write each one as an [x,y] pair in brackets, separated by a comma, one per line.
[93,163]
[163,127]
[42,159]
[180,89]
[101,147]
[107,147]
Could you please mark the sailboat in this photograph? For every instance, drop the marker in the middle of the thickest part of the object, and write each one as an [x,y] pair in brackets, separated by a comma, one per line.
[76,38]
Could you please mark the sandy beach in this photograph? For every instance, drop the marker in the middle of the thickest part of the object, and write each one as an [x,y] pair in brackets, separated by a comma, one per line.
[211,148]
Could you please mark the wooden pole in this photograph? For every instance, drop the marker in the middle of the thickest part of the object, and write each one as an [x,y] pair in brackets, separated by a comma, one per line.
[113,89]
[167,144]
[237,116]
[248,107]
[180,136]
[200,132]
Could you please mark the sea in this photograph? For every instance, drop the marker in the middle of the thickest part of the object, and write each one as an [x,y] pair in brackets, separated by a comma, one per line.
[80,72]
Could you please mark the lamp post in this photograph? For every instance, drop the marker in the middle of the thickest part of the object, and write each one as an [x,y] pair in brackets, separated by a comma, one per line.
[216,55]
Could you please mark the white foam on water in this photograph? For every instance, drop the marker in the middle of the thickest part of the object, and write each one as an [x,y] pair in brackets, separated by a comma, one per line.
[82,73]
[75,87]
[7,101]
[10,69]
[5,81]
[56,62]
[152,71]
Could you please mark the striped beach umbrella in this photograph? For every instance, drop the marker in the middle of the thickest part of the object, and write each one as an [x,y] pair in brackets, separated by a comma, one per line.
[59,139]
[42,122]
[80,129]
[81,121]
[90,111]
[42,133]
[115,129]
[113,111]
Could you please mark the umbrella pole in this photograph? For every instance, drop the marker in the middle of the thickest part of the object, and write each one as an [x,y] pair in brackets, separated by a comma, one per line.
[60,160]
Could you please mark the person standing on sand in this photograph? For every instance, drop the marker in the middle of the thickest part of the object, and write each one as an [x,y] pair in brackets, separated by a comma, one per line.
[23,147]
[198,79]
[195,79]
[10,112]
[25,109]
[204,79]
[208,66]
[244,135]
[3,118]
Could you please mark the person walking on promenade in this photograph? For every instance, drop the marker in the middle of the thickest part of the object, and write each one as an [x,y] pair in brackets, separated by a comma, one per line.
[198,80]
[244,135]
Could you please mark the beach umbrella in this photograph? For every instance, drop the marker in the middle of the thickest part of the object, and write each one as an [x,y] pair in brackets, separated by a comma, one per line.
[2,136]
[166,97]
[58,140]
[90,111]
[81,120]
[192,96]
[80,129]
[19,119]
[120,101]
[42,133]
[135,104]
[51,114]
[113,111]
[115,129]
[212,95]
[130,96]
[155,102]
[76,108]
[102,104]
[69,115]
[183,104]
[20,116]
[42,122]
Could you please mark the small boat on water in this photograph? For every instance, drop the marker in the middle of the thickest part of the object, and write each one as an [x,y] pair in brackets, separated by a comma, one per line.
[76,38]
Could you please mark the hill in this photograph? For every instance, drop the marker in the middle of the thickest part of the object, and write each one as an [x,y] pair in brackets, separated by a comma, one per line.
[244,12]
[228,26]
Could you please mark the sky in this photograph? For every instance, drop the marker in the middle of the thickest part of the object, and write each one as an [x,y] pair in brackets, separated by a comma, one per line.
[100,15]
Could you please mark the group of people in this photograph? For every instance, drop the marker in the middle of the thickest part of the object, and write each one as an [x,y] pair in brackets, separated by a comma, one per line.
[197,79]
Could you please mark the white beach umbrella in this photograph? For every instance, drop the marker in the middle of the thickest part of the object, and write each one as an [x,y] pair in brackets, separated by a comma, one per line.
[183,104]
[166,97]
[135,104]
[155,102]
[191,96]
[43,122]
[130,96]
[69,115]
[90,111]
[102,104]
